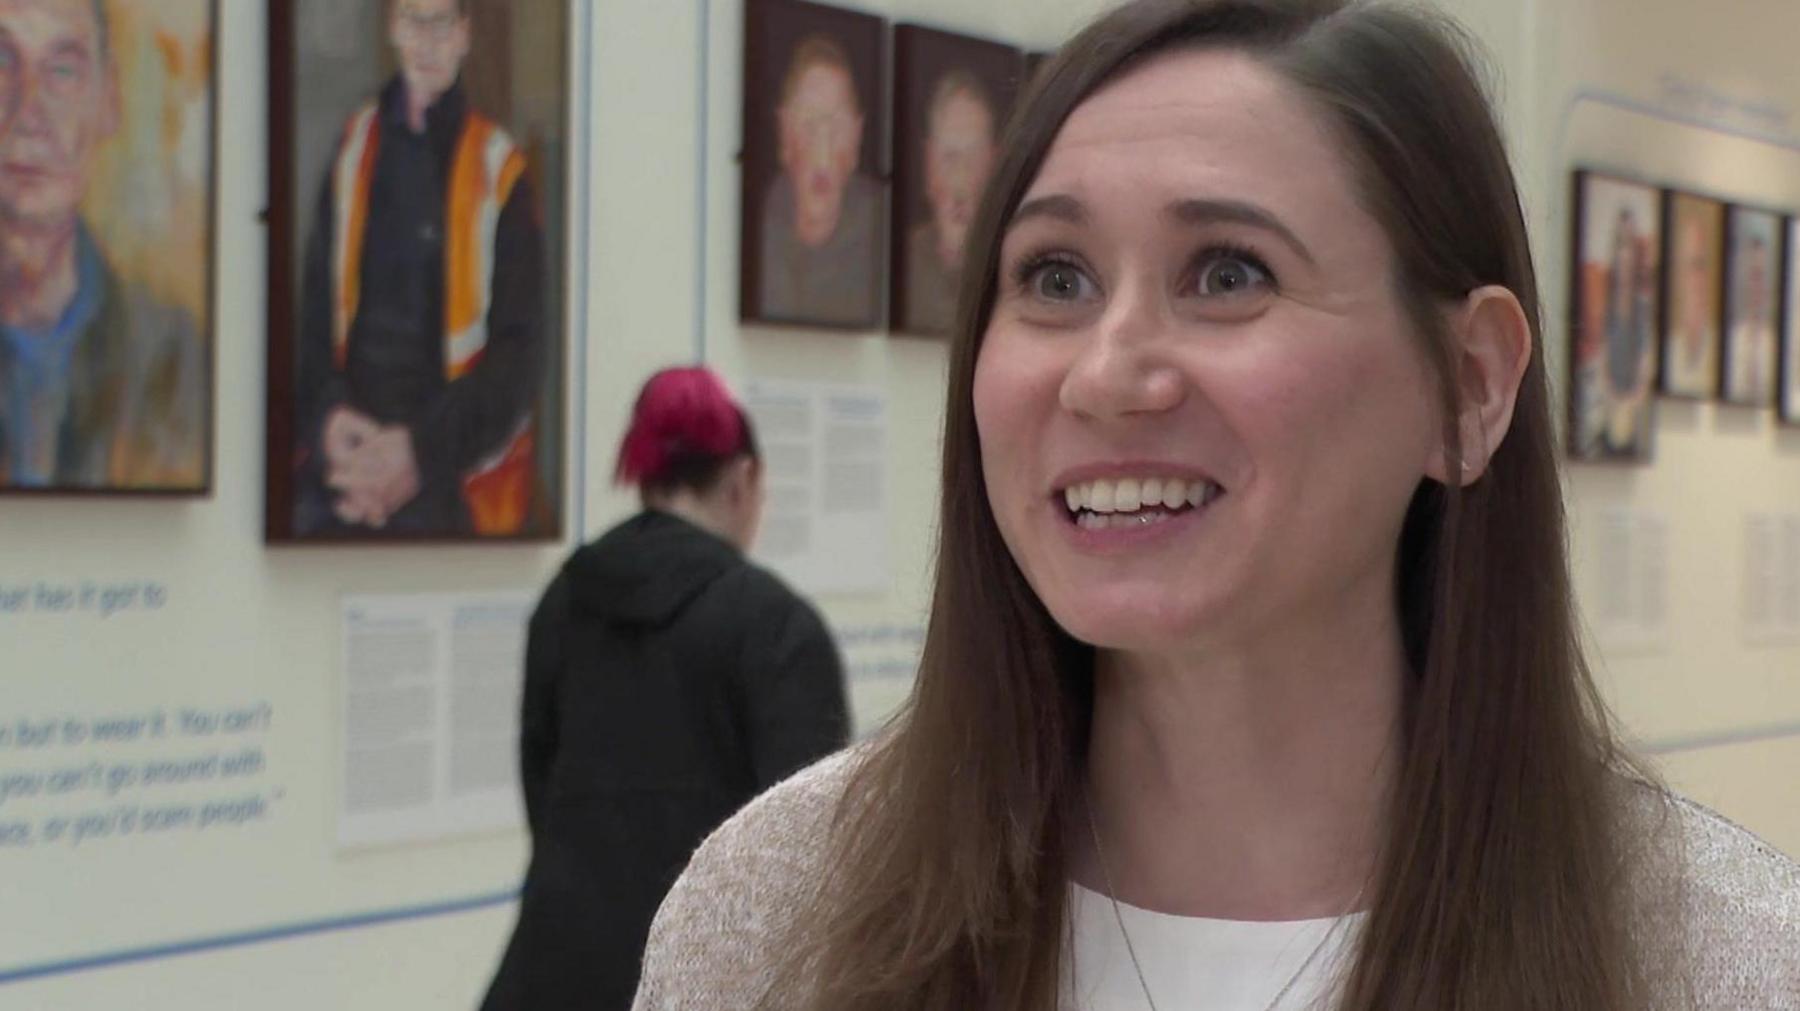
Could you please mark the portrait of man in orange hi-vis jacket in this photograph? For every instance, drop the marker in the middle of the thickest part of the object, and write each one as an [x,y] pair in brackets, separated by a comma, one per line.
[421,346]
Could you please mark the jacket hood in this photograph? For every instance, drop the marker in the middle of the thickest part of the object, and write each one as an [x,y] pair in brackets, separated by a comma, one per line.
[645,570]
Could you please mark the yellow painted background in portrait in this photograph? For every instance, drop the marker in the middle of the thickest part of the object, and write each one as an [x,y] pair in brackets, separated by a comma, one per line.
[150,201]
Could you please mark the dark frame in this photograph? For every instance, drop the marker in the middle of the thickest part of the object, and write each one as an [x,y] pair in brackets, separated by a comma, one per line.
[772,28]
[1642,449]
[1778,308]
[280,406]
[1787,358]
[1670,279]
[921,56]
[209,362]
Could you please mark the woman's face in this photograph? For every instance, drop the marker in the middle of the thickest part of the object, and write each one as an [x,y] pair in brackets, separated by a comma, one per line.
[1193,308]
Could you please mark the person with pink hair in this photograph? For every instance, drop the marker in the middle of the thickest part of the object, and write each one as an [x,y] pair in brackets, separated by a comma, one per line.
[668,680]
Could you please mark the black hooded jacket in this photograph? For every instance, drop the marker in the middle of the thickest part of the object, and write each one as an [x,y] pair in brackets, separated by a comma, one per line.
[667,682]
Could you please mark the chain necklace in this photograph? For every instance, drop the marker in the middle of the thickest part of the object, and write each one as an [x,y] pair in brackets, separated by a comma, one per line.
[1137,967]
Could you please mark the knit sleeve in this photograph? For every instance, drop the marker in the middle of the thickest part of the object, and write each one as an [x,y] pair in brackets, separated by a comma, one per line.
[714,941]
[1743,915]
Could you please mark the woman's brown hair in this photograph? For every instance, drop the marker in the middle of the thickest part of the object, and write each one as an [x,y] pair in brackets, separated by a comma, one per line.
[1498,888]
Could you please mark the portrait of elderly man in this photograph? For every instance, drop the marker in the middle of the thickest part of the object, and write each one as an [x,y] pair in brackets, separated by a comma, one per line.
[421,345]
[103,385]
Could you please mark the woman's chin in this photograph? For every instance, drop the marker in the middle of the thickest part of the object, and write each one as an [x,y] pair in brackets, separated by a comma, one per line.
[1132,625]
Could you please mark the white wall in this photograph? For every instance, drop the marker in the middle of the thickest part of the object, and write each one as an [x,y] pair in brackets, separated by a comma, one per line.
[248,625]
[1613,82]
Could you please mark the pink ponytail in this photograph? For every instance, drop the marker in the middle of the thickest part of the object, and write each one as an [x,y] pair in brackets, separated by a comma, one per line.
[682,413]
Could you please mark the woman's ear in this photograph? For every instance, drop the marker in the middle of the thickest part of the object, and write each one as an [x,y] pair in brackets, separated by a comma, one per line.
[740,486]
[1492,349]
[744,500]
[742,480]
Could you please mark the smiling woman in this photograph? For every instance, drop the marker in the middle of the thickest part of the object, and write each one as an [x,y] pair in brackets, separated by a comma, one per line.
[1252,680]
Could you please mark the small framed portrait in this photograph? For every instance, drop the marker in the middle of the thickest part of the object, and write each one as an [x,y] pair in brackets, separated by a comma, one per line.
[1790,330]
[1752,319]
[1614,324]
[416,261]
[1694,284]
[952,96]
[107,174]
[814,203]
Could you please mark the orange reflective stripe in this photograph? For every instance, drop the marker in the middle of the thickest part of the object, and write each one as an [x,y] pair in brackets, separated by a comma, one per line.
[468,189]
[487,168]
[499,494]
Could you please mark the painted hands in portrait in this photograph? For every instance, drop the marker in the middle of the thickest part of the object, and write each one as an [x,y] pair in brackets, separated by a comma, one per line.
[370,466]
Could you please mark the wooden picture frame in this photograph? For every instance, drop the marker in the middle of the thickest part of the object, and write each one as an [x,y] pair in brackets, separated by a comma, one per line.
[107,379]
[1693,296]
[814,205]
[1615,257]
[1788,402]
[1750,322]
[417,272]
[952,96]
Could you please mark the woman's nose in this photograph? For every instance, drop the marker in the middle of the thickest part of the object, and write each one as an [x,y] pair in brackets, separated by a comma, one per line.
[1123,369]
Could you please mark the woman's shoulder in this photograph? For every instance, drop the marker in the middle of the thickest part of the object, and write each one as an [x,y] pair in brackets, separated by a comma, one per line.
[1727,898]
[1731,861]
[713,940]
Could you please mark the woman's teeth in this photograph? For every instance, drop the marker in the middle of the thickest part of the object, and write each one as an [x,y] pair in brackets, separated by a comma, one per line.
[1136,499]
[1111,521]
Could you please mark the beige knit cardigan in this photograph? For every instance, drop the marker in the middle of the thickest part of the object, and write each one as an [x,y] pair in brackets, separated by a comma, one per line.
[1720,902]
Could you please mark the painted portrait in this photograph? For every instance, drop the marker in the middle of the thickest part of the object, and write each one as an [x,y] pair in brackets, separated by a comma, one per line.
[1613,346]
[1790,331]
[1694,282]
[1753,285]
[952,95]
[814,204]
[106,184]
[416,269]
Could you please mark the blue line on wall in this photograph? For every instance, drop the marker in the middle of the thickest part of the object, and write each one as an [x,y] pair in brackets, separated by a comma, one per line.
[264,935]
[1723,739]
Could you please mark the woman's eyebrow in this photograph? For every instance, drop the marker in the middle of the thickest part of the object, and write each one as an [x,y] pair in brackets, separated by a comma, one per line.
[1199,211]
[1056,206]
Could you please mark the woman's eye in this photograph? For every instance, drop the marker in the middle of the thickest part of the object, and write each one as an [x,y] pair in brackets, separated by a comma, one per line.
[1231,275]
[1059,282]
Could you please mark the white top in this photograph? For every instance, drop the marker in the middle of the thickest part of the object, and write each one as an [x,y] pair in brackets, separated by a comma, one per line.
[1194,964]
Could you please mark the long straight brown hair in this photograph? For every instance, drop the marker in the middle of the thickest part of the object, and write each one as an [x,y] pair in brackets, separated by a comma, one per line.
[1499,886]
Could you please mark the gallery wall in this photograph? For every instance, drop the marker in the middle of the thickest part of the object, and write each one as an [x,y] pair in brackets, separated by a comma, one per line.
[1703,99]
[1674,557]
